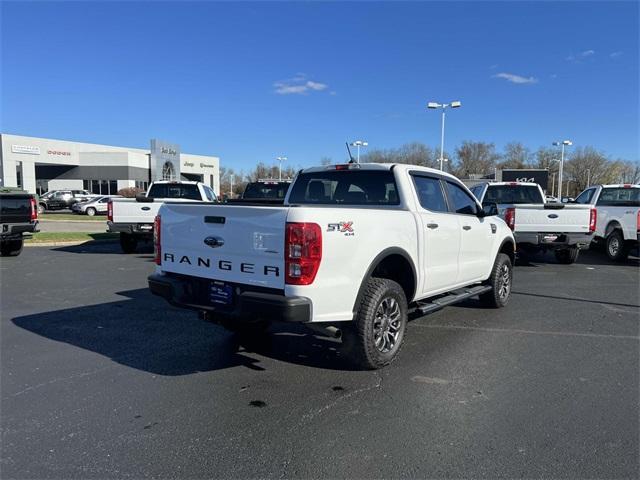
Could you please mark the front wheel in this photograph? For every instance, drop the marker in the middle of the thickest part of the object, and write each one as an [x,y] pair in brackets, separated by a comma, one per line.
[615,247]
[11,248]
[375,337]
[500,280]
[567,256]
[41,208]
[91,211]
[128,243]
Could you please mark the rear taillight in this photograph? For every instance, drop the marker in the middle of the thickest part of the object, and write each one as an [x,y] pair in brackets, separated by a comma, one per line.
[34,209]
[638,221]
[303,253]
[593,220]
[157,250]
[110,211]
[510,217]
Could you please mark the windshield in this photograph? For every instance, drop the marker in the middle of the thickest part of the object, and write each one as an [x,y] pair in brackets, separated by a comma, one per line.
[513,194]
[626,197]
[257,190]
[346,187]
[174,190]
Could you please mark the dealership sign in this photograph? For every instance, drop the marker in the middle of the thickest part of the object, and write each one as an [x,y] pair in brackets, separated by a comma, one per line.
[27,149]
[165,160]
[528,175]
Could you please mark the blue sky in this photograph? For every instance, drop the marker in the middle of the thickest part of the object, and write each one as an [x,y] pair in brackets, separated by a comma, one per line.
[251,81]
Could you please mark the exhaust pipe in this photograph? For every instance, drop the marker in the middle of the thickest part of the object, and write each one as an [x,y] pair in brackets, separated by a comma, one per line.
[326,330]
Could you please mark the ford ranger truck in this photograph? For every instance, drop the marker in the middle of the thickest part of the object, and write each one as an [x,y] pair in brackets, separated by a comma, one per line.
[133,218]
[352,251]
[18,216]
[539,225]
[618,224]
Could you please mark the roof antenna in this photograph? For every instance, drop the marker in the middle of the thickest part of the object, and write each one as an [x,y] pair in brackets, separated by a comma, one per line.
[349,150]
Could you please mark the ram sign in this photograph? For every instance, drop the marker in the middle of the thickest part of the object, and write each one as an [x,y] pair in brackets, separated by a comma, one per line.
[539,176]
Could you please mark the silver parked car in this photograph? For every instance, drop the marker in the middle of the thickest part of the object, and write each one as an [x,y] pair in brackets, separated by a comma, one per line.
[94,206]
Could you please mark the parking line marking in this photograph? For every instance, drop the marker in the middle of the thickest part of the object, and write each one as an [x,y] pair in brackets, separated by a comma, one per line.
[530,332]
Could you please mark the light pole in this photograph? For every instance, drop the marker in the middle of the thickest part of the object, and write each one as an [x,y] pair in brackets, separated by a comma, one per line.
[562,145]
[231,186]
[358,144]
[433,105]
[280,160]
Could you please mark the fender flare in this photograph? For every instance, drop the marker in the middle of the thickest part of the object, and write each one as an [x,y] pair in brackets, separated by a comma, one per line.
[372,266]
[611,226]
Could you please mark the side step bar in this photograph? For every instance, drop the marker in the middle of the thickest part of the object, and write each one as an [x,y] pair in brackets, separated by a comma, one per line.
[450,298]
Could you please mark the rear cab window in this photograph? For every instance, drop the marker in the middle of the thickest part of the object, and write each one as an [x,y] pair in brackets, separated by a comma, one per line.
[174,190]
[345,187]
[619,196]
[273,190]
[513,194]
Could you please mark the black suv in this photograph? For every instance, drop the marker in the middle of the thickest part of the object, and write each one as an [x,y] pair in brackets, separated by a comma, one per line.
[60,199]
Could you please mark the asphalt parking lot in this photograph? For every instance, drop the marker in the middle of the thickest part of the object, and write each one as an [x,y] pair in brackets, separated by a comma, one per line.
[100,380]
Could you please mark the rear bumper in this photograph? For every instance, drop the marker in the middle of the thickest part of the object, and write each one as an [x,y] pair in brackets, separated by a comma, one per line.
[191,293]
[144,229]
[563,240]
[17,229]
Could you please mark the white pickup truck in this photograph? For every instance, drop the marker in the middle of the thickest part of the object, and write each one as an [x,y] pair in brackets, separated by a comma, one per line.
[618,226]
[537,224]
[133,217]
[351,251]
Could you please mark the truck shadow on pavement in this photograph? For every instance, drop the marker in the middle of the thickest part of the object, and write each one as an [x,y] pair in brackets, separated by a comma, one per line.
[589,257]
[144,250]
[142,332]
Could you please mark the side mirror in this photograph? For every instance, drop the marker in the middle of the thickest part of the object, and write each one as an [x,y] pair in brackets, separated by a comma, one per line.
[489,209]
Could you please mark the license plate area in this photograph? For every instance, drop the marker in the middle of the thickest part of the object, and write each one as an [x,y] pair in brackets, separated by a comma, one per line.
[220,293]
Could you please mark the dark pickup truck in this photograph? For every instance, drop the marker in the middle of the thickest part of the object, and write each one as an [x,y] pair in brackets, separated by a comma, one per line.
[18,215]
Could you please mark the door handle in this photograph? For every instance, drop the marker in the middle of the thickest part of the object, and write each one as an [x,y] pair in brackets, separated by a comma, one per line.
[466,227]
[432,226]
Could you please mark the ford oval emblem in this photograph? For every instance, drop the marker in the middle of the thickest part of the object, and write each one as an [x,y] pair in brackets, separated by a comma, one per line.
[552,215]
[214,242]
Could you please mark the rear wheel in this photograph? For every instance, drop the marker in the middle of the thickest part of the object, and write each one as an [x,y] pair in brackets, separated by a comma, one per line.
[567,256]
[615,247]
[128,243]
[375,337]
[500,280]
[91,211]
[11,248]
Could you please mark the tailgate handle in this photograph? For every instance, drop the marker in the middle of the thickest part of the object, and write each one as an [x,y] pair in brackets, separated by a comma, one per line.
[210,219]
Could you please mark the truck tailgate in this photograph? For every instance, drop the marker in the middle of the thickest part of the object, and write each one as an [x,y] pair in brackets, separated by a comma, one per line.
[128,210]
[552,218]
[236,244]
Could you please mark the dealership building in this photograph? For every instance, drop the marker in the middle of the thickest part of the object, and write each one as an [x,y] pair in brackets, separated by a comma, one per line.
[42,164]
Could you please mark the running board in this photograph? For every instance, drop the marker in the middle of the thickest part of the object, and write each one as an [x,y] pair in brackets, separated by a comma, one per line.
[451,298]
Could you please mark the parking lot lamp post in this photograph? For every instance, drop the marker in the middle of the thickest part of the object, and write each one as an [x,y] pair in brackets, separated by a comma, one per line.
[280,160]
[560,170]
[443,106]
[358,144]
[231,186]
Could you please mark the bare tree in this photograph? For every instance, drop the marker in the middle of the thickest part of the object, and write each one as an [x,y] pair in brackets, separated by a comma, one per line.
[263,171]
[414,153]
[586,165]
[627,171]
[475,158]
[515,155]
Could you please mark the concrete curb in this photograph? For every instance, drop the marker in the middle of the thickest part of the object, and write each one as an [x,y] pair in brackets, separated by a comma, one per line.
[69,244]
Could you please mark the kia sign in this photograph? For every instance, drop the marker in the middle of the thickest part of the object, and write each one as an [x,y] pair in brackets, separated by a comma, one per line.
[539,176]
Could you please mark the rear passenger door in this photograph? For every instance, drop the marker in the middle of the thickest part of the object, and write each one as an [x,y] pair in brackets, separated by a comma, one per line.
[440,232]
[477,234]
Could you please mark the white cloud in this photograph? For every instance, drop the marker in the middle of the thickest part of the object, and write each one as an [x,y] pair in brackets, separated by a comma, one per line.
[580,56]
[615,54]
[298,85]
[510,77]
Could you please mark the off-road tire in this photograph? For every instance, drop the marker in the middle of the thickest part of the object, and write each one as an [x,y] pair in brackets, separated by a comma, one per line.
[128,243]
[11,248]
[615,246]
[358,338]
[567,256]
[496,297]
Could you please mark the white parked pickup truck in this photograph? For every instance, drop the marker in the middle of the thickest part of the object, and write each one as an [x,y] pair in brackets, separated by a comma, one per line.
[351,251]
[618,226]
[133,218]
[537,224]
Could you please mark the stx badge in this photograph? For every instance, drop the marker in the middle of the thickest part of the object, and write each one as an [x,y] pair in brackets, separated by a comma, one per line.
[342,227]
